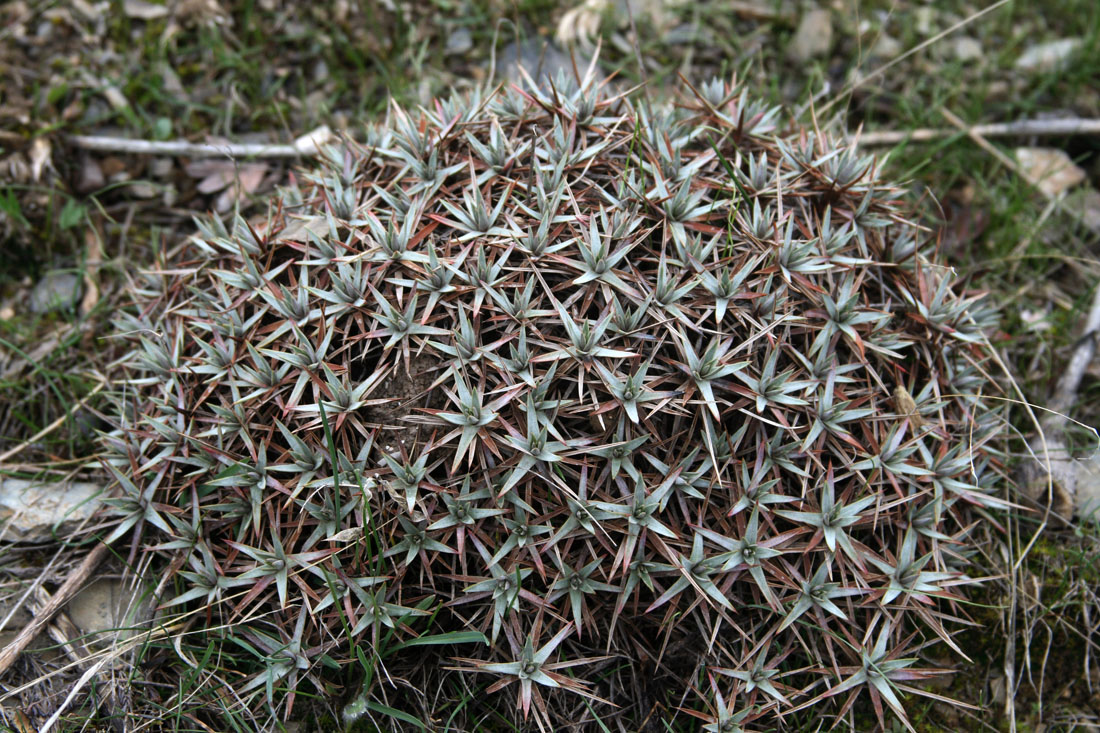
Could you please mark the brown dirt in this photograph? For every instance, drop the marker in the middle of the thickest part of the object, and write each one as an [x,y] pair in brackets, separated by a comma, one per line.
[408,390]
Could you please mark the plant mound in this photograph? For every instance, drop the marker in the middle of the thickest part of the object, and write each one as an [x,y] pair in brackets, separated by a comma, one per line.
[559,384]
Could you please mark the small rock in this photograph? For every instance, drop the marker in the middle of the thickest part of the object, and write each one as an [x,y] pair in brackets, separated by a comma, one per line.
[1047,56]
[925,17]
[56,291]
[813,38]
[1049,169]
[32,511]
[161,167]
[459,42]
[114,97]
[91,175]
[170,81]
[1085,202]
[108,610]
[967,48]
[142,190]
[143,10]
[541,59]
[885,47]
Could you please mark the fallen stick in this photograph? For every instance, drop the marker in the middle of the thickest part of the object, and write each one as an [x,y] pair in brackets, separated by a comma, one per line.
[68,637]
[64,632]
[1065,394]
[974,133]
[307,145]
[1020,128]
[979,139]
[1059,471]
[1056,473]
[80,684]
[12,651]
[845,93]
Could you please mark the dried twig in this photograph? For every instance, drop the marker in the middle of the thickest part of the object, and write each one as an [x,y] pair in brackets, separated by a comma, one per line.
[11,652]
[861,81]
[69,638]
[85,678]
[1066,392]
[974,134]
[102,659]
[1058,469]
[1055,472]
[63,630]
[1020,128]
[307,145]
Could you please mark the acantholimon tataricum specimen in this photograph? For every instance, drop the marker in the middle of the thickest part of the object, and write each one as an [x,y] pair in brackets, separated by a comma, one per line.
[651,415]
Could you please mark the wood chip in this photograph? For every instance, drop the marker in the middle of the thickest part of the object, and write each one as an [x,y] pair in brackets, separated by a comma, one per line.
[91,561]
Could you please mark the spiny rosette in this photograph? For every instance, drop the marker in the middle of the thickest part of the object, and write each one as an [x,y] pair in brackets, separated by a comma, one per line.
[595,379]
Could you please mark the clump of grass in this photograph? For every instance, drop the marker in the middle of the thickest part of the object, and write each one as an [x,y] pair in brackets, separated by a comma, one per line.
[568,379]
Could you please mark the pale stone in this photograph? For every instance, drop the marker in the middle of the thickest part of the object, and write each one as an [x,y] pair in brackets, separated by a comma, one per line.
[142,190]
[108,609]
[886,47]
[814,37]
[1048,56]
[925,20]
[1050,169]
[91,175]
[542,60]
[36,510]
[967,49]
[161,167]
[56,291]
[144,10]
[459,42]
